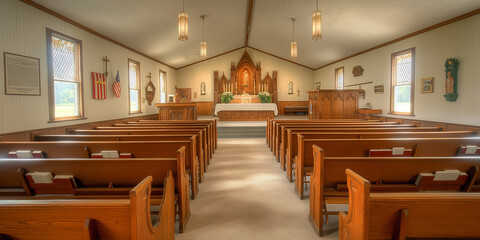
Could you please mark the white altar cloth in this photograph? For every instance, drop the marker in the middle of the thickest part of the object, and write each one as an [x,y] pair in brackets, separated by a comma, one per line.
[246,107]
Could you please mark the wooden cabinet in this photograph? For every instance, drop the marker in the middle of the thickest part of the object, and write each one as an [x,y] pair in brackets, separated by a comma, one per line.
[177,111]
[333,104]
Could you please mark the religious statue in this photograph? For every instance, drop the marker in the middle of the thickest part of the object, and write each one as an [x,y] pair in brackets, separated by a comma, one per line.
[451,80]
[245,78]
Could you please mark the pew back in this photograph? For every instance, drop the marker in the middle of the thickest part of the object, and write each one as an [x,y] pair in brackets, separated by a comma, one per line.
[402,215]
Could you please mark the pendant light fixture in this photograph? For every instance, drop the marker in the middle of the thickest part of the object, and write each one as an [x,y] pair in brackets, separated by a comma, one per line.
[317,24]
[203,44]
[183,24]
[293,45]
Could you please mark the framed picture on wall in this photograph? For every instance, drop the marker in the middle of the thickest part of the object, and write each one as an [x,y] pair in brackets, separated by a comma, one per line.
[427,85]
[317,86]
[378,89]
[22,75]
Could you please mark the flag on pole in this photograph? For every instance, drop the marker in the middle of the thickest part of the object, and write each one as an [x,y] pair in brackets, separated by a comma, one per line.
[98,86]
[116,86]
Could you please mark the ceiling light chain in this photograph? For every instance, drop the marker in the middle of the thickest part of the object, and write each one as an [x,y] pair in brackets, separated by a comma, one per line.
[183,24]
[293,44]
[203,44]
[317,24]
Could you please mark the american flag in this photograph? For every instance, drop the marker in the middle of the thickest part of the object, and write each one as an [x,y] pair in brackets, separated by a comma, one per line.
[98,86]
[116,86]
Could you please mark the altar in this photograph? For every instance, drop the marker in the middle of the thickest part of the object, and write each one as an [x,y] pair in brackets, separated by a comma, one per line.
[245,111]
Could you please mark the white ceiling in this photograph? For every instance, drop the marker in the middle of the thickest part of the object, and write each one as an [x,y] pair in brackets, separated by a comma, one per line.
[349,26]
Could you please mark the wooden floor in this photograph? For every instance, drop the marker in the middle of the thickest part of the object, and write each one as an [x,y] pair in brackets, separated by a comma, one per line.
[245,195]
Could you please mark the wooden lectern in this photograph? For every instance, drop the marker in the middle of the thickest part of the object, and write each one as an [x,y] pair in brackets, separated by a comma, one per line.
[177,111]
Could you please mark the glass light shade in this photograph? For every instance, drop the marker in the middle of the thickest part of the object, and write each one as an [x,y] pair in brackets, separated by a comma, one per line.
[203,49]
[293,50]
[183,26]
[317,25]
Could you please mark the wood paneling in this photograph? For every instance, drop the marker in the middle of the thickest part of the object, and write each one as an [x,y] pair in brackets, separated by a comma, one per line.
[204,108]
[333,104]
[26,135]
[177,111]
[281,105]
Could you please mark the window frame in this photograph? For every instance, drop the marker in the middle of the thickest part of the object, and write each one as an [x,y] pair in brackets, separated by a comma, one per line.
[160,88]
[412,82]
[51,81]
[139,85]
[336,78]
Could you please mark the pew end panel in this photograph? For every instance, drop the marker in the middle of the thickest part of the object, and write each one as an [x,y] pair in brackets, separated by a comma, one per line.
[358,209]
[140,211]
[408,215]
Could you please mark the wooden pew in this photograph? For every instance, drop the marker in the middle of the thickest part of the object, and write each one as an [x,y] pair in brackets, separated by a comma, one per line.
[98,178]
[200,135]
[139,149]
[176,137]
[208,137]
[406,215]
[271,122]
[91,219]
[292,143]
[397,174]
[282,130]
[211,131]
[422,147]
[275,132]
[213,122]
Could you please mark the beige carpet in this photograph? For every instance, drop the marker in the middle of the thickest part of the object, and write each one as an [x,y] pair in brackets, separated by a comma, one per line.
[245,195]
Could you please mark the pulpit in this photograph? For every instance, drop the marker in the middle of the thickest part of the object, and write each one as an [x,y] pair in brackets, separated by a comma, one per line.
[333,104]
[177,111]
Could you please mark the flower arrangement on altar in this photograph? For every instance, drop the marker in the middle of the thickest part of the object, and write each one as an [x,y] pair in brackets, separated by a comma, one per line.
[265,97]
[226,97]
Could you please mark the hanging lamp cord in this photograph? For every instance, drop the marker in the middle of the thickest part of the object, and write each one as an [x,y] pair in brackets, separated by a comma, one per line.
[317,5]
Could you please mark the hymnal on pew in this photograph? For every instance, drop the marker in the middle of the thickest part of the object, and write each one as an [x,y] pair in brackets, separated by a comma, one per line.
[41,177]
[447,180]
[66,177]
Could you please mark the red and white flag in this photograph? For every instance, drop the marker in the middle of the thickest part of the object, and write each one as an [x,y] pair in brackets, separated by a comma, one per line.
[116,86]
[99,86]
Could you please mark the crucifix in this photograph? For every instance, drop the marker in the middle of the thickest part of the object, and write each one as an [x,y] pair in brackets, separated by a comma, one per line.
[298,91]
[149,76]
[106,60]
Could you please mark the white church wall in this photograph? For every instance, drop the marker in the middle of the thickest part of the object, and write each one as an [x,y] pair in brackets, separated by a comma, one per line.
[23,31]
[460,40]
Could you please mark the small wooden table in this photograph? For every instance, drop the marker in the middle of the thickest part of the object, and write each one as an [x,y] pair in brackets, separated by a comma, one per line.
[177,111]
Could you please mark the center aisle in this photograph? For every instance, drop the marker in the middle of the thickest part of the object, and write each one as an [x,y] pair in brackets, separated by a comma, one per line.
[245,195]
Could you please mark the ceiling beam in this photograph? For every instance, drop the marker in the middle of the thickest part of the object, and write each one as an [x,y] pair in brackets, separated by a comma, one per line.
[248,20]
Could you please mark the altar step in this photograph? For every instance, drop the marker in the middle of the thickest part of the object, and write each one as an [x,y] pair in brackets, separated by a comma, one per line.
[241,132]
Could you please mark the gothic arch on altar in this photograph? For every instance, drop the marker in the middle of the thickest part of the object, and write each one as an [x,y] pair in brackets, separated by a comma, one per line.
[245,78]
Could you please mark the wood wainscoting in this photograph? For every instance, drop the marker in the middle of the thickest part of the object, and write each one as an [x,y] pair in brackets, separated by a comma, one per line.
[281,105]
[26,135]
[424,123]
[204,108]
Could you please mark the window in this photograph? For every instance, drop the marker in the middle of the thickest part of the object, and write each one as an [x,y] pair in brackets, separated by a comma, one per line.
[339,78]
[134,85]
[403,71]
[163,87]
[64,56]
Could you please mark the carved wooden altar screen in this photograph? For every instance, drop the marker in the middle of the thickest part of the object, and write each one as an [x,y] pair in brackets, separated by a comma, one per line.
[245,78]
